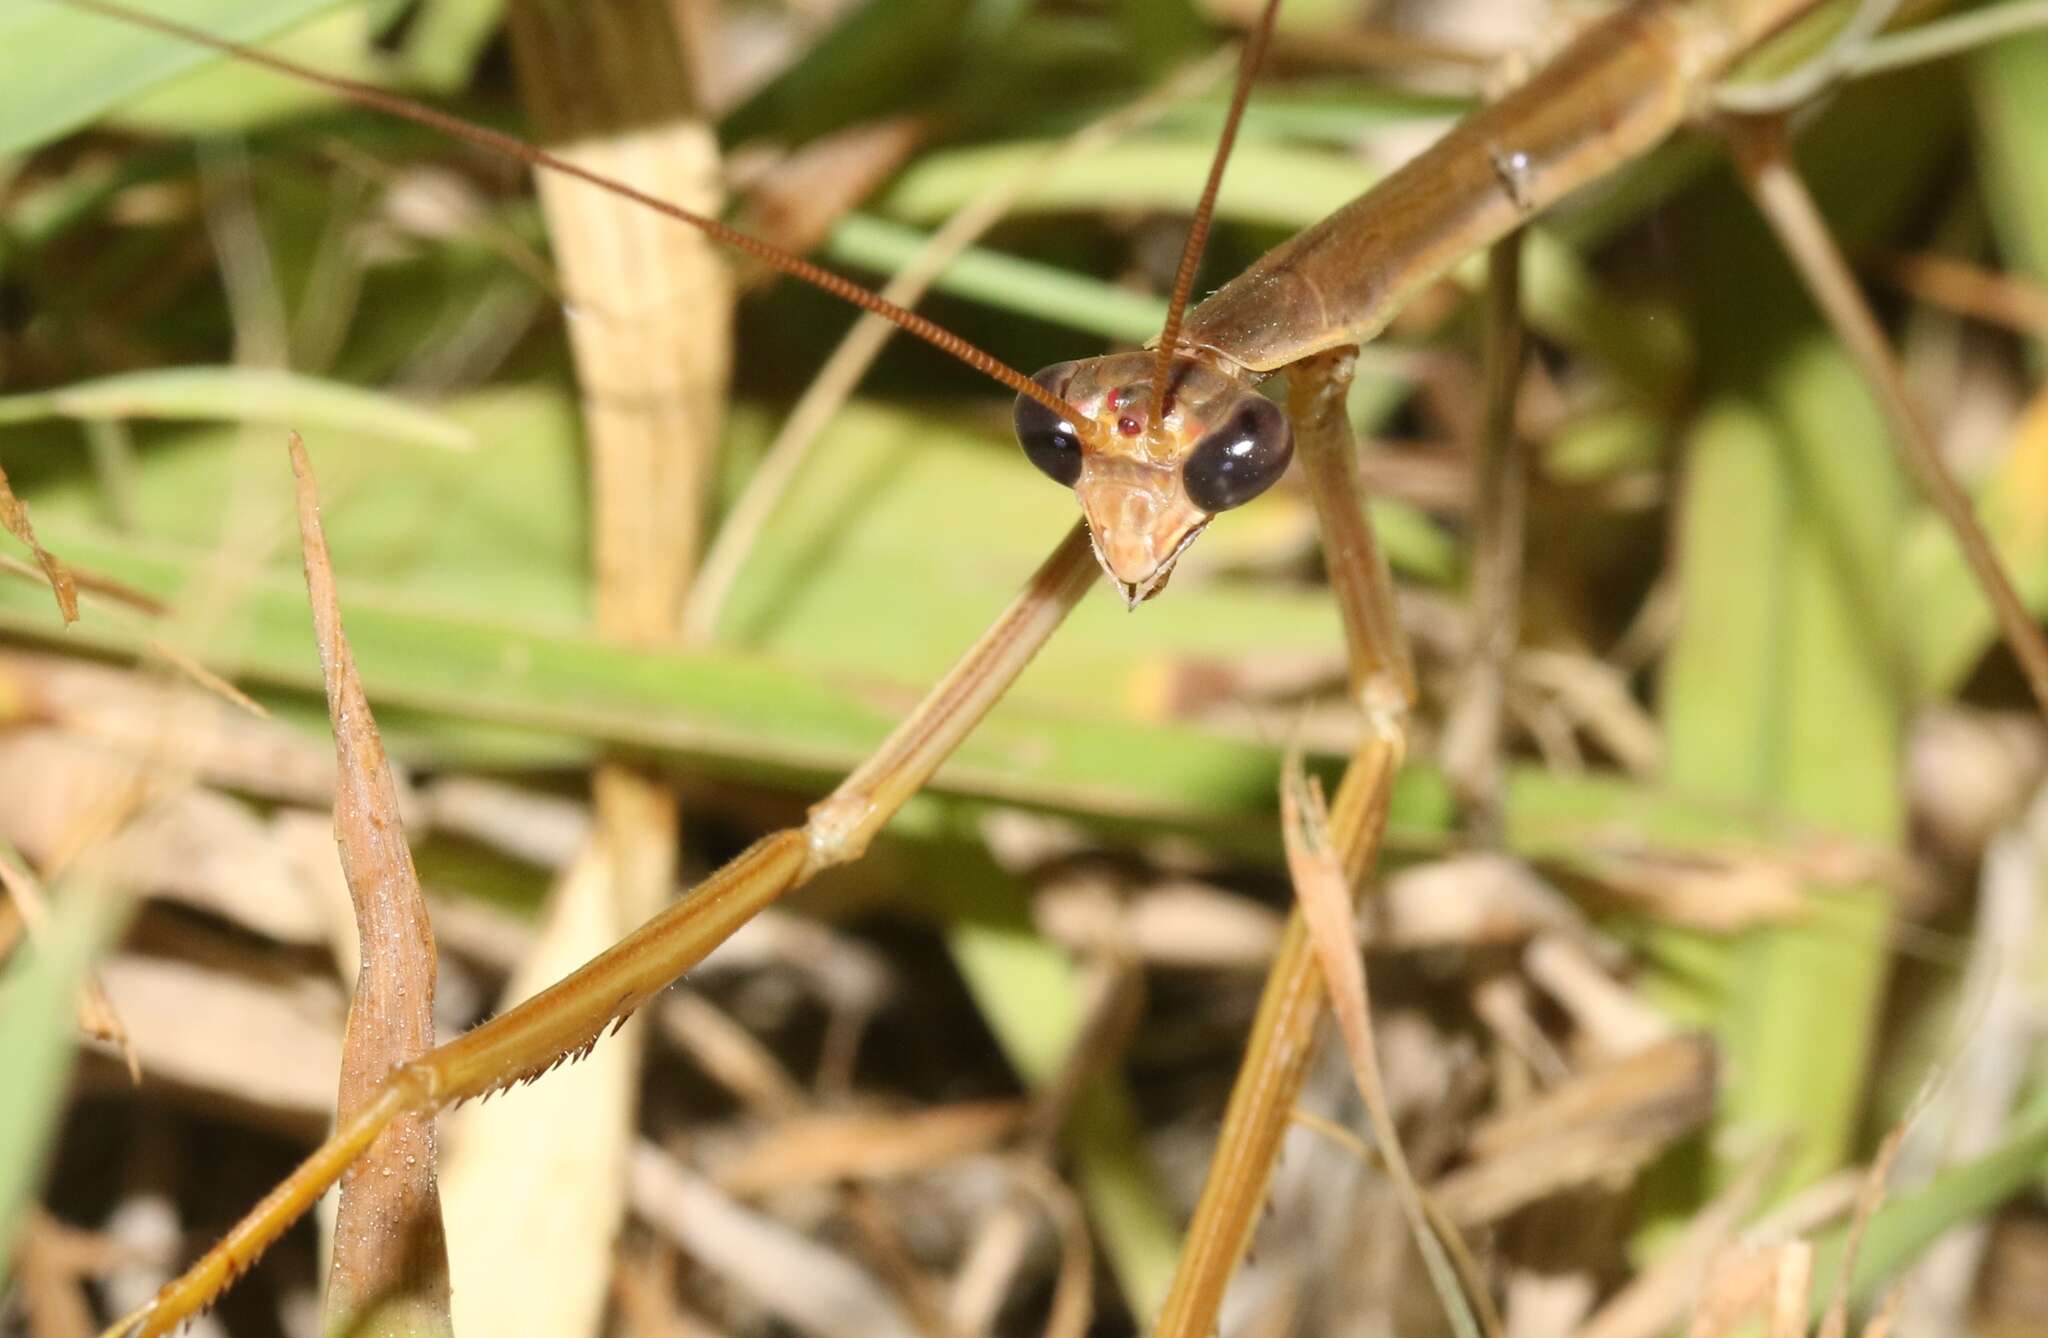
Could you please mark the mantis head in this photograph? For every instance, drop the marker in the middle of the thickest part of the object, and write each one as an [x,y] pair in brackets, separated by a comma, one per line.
[1148,488]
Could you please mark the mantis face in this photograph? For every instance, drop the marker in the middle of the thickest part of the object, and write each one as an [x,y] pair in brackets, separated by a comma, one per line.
[1148,488]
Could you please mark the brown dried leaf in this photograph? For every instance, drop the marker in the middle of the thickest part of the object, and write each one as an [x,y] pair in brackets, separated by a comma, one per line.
[195,846]
[814,1290]
[168,728]
[1719,892]
[1467,901]
[1604,1123]
[15,517]
[797,201]
[390,1271]
[54,1263]
[1748,1285]
[264,1039]
[866,1146]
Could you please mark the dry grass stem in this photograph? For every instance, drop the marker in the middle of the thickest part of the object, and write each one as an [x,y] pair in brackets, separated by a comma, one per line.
[1472,739]
[1763,153]
[1073,1297]
[1716,891]
[1613,1017]
[390,1270]
[540,829]
[816,1291]
[1791,1295]
[1323,892]
[515,1188]
[14,516]
[834,1146]
[2009,300]
[114,591]
[728,1054]
[206,678]
[1177,924]
[649,309]
[1835,1322]
[1501,1001]
[172,732]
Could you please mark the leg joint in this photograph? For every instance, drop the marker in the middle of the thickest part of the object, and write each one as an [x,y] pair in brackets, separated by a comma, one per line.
[838,830]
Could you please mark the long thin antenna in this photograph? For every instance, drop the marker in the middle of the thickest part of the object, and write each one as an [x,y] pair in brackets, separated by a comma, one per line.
[846,290]
[1205,211]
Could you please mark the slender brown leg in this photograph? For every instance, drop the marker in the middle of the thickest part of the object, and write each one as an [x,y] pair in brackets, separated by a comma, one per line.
[1382,672]
[1284,1032]
[566,1020]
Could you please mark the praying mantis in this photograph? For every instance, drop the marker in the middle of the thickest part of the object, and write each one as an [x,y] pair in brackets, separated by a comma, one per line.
[1156,445]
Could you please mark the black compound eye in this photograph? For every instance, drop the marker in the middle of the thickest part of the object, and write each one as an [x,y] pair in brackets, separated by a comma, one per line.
[1240,459]
[1050,440]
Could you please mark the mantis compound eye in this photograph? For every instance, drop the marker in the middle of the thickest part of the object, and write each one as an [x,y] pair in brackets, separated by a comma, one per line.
[1241,459]
[1050,442]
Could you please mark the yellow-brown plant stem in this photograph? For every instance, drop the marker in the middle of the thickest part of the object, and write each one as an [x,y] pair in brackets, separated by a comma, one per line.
[649,324]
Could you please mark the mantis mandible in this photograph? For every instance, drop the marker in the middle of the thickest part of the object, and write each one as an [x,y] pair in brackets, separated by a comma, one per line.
[1155,445]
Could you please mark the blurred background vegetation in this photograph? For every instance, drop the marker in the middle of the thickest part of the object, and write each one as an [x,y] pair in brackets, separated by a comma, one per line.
[1772,799]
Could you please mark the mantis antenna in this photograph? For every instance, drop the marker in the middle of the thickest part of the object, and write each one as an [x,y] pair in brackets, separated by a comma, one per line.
[846,290]
[1205,210]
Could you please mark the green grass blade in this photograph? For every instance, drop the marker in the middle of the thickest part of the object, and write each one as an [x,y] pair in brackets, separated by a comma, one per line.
[1773,696]
[1025,287]
[66,66]
[38,1035]
[1908,1223]
[447,38]
[1783,687]
[231,97]
[2009,92]
[1274,184]
[244,395]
